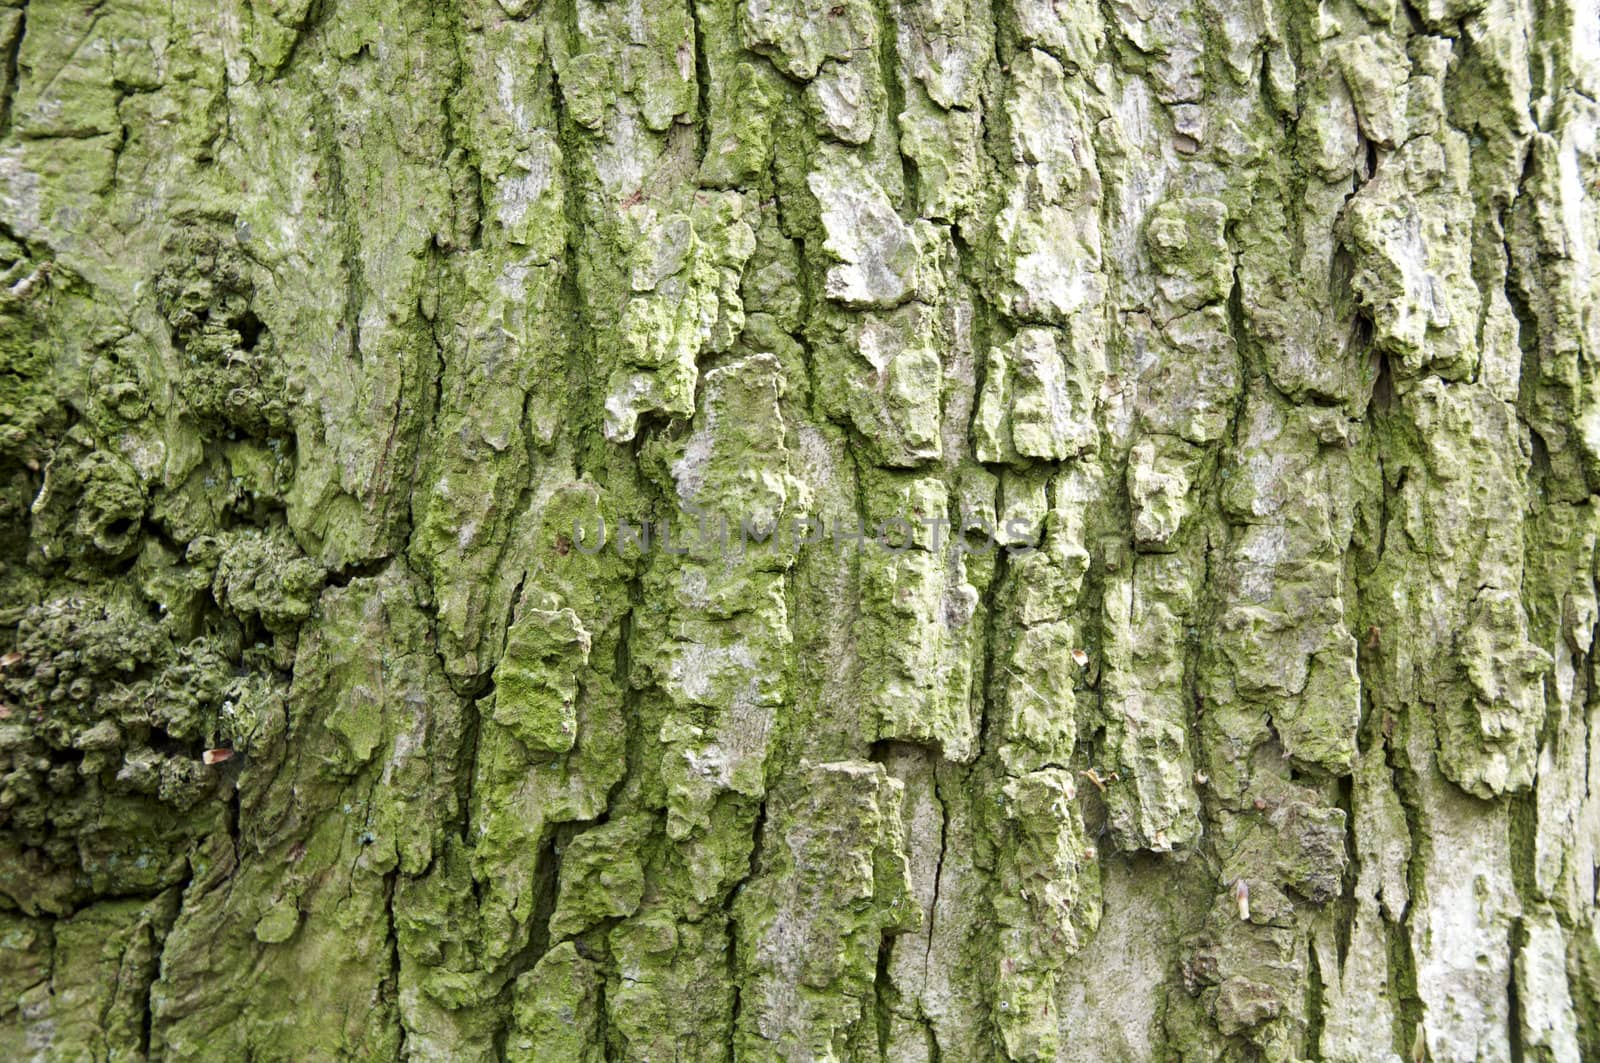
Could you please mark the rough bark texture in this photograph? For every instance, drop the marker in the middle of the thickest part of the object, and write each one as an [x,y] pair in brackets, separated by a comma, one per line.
[331,329]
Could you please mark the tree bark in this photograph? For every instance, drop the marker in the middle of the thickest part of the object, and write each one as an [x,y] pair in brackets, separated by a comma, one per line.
[731,530]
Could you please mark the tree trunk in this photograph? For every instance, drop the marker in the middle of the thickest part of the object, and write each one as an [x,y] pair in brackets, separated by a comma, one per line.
[723,530]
